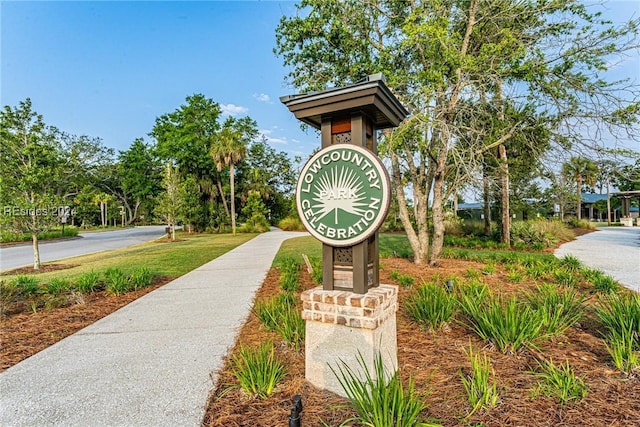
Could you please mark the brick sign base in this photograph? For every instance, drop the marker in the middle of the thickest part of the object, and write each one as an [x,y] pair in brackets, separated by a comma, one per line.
[339,324]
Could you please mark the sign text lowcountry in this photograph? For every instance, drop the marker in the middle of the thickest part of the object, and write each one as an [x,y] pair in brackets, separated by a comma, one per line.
[343,194]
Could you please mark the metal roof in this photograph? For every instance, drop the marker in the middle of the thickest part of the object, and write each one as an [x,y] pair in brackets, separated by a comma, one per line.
[592,198]
[371,95]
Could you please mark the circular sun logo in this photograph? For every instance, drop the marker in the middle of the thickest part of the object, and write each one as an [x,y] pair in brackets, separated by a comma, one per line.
[343,194]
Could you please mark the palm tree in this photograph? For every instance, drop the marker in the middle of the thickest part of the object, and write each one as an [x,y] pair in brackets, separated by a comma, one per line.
[583,171]
[228,149]
[101,199]
[257,183]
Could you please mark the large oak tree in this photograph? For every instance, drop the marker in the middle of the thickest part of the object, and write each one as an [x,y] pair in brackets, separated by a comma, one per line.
[443,59]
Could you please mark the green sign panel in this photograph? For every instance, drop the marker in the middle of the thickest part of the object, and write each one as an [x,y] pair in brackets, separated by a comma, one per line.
[343,194]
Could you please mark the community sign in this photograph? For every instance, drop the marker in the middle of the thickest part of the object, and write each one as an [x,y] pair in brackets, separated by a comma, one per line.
[343,194]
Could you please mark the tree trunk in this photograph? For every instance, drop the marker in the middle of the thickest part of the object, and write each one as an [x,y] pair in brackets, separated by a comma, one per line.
[504,181]
[487,203]
[233,202]
[437,209]
[455,204]
[419,240]
[579,207]
[224,200]
[608,204]
[36,251]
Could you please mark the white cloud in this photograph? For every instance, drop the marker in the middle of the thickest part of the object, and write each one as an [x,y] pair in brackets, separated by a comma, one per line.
[232,109]
[262,97]
[271,139]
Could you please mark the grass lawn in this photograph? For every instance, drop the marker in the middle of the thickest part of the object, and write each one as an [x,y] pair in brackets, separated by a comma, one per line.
[294,248]
[163,258]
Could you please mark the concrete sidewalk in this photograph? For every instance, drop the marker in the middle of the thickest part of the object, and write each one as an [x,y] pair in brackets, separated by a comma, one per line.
[613,250]
[151,363]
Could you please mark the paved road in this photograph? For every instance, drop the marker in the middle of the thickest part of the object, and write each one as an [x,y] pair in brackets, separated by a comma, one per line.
[21,255]
[613,250]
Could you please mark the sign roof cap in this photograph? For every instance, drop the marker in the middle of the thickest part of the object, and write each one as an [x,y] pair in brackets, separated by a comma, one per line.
[369,95]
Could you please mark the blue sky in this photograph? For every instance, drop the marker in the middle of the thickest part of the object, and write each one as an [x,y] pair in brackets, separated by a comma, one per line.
[108,68]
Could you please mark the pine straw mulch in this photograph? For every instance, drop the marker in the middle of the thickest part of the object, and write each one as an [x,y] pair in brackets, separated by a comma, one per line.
[434,361]
[44,268]
[24,333]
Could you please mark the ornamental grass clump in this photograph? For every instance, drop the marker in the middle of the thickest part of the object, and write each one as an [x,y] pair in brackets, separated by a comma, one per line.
[560,382]
[291,326]
[565,278]
[571,263]
[379,397]
[403,280]
[289,271]
[257,370]
[431,306]
[510,325]
[559,308]
[316,273]
[481,389]
[57,286]
[141,278]
[116,282]
[88,282]
[602,283]
[26,286]
[270,310]
[620,315]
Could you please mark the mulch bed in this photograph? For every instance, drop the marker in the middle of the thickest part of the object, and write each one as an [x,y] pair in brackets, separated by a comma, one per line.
[44,268]
[435,361]
[24,333]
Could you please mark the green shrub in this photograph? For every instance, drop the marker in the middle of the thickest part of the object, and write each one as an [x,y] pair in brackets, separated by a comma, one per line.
[403,280]
[620,315]
[289,265]
[256,224]
[69,231]
[289,271]
[291,326]
[8,292]
[621,348]
[291,224]
[488,269]
[581,223]
[26,286]
[258,370]
[481,391]
[316,274]
[472,273]
[601,282]
[289,283]
[565,278]
[571,263]
[116,282]
[378,397]
[515,276]
[88,282]
[141,278]
[474,291]
[560,382]
[560,309]
[269,310]
[539,234]
[57,286]
[431,306]
[508,324]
